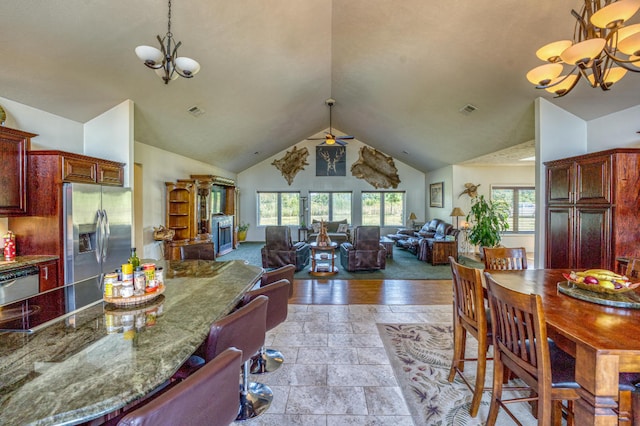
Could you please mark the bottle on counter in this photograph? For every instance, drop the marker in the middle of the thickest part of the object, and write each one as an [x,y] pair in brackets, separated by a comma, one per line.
[133,259]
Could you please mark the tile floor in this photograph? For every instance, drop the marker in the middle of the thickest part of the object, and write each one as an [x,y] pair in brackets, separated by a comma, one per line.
[336,371]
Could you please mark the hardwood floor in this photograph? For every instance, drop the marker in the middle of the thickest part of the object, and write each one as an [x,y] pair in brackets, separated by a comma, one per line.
[371,292]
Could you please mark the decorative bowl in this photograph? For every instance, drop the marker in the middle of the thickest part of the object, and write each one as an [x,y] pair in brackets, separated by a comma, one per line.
[599,289]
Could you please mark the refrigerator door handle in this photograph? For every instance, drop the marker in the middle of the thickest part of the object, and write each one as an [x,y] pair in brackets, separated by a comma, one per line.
[98,235]
[107,234]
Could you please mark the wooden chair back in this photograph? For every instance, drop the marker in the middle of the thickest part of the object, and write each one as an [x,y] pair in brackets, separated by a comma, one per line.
[505,258]
[204,251]
[468,298]
[633,270]
[469,316]
[520,345]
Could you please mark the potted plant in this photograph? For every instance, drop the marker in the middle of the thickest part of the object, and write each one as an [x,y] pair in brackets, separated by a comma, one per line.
[488,219]
[242,231]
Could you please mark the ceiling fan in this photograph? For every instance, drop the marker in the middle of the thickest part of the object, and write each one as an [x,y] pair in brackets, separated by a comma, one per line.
[329,138]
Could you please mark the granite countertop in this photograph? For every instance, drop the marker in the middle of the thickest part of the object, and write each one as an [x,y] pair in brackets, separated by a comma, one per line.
[22,261]
[103,357]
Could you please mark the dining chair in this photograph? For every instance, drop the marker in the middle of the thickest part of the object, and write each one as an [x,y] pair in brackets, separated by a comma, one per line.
[505,258]
[520,344]
[633,270]
[208,397]
[469,316]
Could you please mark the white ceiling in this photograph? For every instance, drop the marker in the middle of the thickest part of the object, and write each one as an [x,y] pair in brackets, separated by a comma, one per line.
[400,71]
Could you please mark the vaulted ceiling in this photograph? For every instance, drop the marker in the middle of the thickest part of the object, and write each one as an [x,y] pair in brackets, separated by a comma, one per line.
[400,72]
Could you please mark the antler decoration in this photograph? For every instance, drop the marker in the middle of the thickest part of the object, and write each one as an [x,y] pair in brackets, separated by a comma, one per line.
[471,190]
[293,162]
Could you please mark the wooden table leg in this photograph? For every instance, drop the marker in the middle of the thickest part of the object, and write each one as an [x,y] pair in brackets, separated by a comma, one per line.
[597,374]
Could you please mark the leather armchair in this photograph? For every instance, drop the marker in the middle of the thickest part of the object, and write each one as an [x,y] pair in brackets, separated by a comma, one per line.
[366,252]
[279,251]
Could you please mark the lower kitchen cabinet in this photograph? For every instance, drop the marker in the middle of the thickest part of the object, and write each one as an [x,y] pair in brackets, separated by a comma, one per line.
[48,275]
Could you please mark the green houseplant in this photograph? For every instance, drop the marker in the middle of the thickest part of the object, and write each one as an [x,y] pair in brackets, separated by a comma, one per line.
[488,219]
[242,231]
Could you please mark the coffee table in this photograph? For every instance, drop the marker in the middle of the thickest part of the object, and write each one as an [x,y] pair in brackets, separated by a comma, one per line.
[323,260]
[388,244]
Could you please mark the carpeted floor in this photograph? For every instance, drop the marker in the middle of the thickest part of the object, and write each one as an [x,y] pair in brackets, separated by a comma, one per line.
[420,356]
[403,266]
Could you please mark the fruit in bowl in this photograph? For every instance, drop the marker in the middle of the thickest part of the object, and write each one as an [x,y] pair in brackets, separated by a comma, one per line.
[601,281]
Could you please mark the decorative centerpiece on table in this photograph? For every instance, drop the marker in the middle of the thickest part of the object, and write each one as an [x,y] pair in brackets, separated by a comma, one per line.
[323,240]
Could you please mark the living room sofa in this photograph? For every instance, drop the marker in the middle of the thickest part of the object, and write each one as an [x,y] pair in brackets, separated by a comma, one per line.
[338,234]
[436,229]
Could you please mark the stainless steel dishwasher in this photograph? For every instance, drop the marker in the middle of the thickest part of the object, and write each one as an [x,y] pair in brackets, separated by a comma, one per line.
[18,284]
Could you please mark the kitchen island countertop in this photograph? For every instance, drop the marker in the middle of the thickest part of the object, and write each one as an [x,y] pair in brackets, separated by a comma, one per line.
[102,357]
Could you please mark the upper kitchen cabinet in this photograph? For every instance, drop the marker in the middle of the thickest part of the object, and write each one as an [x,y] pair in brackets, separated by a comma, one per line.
[69,167]
[14,145]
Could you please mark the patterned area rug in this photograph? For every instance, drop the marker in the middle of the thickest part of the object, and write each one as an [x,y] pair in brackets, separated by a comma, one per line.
[420,355]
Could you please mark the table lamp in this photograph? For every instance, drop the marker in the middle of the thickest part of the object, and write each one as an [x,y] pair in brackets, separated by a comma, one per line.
[412,218]
[457,212]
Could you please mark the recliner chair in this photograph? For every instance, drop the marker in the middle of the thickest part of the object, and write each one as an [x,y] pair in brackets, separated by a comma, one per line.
[279,250]
[366,252]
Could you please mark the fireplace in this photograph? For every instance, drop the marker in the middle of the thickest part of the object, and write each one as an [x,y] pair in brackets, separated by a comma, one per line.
[222,233]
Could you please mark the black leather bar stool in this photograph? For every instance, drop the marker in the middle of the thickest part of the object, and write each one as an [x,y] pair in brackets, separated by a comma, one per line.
[268,360]
[208,397]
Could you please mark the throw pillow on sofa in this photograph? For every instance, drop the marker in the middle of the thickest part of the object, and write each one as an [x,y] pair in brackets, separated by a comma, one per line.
[343,227]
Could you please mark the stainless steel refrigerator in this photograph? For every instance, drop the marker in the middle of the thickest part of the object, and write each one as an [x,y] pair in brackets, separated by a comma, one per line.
[97,233]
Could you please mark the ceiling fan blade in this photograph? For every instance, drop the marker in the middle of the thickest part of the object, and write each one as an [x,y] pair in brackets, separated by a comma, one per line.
[341,143]
[316,139]
[345,137]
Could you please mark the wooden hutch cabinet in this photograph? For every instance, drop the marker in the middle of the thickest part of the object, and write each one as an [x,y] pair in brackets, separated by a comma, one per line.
[201,209]
[14,145]
[593,209]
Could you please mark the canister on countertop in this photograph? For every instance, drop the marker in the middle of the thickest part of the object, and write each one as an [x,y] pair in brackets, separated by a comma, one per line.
[160,275]
[126,290]
[139,281]
[109,279]
[9,246]
[127,273]
[150,273]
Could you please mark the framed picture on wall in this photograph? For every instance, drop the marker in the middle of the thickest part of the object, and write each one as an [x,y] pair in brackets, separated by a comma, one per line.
[436,191]
[331,161]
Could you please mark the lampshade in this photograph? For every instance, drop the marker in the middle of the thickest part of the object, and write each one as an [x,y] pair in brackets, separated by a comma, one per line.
[543,74]
[413,216]
[457,211]
[149,55]
[187,66]
[561,88]
[631,44]
[584,51]
[611,76]
[614,14]
[551,52]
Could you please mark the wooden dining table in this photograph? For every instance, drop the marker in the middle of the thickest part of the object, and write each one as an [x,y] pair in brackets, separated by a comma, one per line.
[603,339]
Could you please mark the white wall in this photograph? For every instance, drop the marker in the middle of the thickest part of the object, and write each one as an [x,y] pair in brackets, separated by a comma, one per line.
[444,175]
[265,177]
[110,136]
[614,130]
[159,166]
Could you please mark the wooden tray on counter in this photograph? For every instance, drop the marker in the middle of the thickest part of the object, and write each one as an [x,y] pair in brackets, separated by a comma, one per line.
[629,299]
[135,300]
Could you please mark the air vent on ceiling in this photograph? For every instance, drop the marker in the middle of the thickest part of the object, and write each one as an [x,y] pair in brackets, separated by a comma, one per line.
[196,111]
[467,109]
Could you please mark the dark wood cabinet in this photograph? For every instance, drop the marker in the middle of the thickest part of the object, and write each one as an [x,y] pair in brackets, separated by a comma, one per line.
[14,145]
[49,275]
[42,231]
[593,209]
